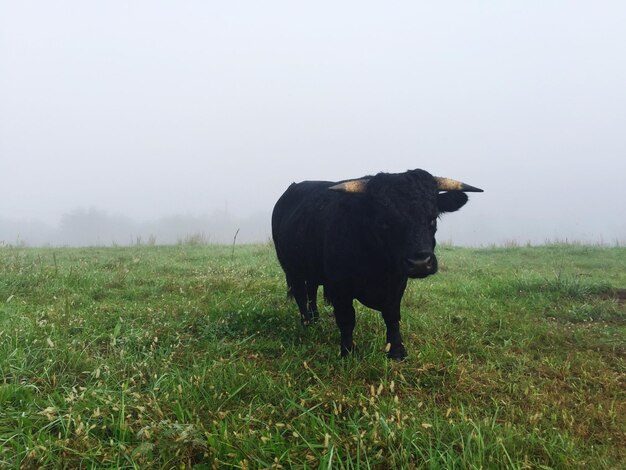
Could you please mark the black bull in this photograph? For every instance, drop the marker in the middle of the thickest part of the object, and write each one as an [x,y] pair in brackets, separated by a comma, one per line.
[361,239]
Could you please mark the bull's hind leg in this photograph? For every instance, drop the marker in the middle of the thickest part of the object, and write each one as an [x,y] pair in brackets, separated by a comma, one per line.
[311,294]
[308,308]
[346,319]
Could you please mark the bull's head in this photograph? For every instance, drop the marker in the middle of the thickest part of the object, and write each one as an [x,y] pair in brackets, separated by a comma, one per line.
[403,210]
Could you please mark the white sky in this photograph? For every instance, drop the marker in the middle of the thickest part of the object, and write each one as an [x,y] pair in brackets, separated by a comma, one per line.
[151,108]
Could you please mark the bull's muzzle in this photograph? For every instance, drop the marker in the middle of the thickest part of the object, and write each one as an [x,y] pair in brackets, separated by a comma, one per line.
[421,264]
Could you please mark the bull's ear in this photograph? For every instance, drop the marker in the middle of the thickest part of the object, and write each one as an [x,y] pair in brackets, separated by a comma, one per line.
[352,186]
[451,201]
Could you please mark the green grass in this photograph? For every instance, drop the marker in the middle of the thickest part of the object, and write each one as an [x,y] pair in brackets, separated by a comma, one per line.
[192,356]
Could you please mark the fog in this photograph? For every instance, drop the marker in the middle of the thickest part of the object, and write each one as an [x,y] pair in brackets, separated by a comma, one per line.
[154,121]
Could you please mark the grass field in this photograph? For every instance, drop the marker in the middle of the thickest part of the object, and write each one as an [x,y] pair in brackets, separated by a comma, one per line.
[188,356]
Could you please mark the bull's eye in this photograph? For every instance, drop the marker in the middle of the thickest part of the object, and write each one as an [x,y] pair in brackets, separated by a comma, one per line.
[433,223]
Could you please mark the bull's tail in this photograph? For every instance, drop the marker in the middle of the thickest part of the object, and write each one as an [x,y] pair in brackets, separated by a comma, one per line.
[325,294]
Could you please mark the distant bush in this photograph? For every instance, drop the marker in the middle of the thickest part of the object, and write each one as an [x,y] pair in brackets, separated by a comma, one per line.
[195,239]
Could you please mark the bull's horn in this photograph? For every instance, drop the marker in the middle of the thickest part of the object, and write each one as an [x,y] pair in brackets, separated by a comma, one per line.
[352,186]
[447,184]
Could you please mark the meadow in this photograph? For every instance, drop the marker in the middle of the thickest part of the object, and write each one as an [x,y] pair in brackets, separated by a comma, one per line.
[191,356]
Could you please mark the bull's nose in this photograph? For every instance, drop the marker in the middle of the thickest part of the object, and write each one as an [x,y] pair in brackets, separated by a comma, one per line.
[421,264]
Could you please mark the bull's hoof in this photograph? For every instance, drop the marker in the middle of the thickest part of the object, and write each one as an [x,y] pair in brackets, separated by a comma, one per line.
[309,319]
[347,350]
[397,353]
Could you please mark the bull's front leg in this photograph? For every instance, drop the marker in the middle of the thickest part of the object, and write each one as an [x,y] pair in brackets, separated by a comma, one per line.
[396,350]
